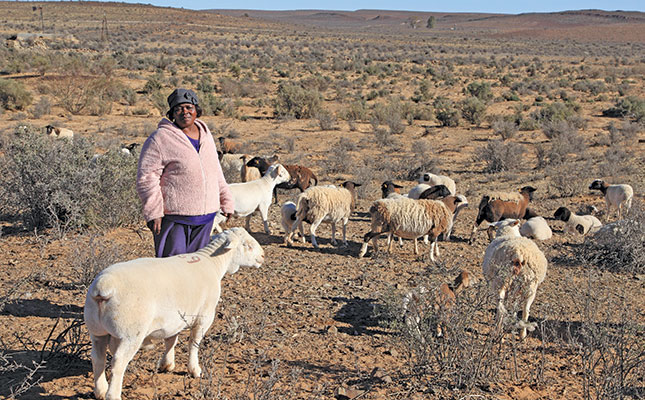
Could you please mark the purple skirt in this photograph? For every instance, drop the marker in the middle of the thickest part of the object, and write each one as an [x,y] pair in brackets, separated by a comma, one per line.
[177,237]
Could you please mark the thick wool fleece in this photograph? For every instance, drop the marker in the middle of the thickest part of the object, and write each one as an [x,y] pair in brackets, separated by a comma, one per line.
[318,202]
[408,218]
[172,178]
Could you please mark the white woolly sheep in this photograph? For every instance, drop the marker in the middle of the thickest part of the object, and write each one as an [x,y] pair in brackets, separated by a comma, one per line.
[496,206]
[156,298]
[433,180]
[256,195]
[325,204]
[60,133]
[536,228]
[409,219]
[618,196]
[575,223]
[514,266]
[231,164]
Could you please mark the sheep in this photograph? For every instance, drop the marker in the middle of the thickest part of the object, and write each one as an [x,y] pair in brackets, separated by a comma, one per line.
[231,162]
[325,204]
[455,204]
[415,303]
[60,133]
[301,177]
[619,196]
[581,224]
[128,149]
[132,302]
[514,265]
[536,228]
[288,214]
[247,173]
[416,191]
[496,206]
[389,187]
[256,195]
[433,180]
[410,219]
[435,192]
[229,146]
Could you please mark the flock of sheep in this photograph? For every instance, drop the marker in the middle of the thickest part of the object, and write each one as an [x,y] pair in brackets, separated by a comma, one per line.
[119,319]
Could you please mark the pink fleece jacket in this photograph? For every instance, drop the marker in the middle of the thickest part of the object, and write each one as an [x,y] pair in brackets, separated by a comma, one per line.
[172,178]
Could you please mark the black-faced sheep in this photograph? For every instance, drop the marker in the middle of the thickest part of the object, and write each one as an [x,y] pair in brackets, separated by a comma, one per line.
[301,177]
[60,133]
[575,223]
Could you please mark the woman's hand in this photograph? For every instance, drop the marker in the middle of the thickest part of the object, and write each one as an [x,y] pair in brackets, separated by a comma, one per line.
[155,226]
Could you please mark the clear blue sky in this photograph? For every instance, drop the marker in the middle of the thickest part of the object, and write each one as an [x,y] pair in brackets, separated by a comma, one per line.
[490,6]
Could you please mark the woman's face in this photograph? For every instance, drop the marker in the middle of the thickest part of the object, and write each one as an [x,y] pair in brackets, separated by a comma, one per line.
[185,115]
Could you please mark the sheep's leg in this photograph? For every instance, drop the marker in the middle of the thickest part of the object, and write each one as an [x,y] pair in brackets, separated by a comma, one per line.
[400,241]
[416,247]
[345,232]
[313,228]
[264,213]
[389,242]
[525,311]
[124,350]
[435,245]
[167,362]
[425,240]
[333,233]
[248,223]
[472,234]
[302,232]
[501,310]
[608,208]
[275,195]
[99,352]
[196,335]
[373,236]
[432,251]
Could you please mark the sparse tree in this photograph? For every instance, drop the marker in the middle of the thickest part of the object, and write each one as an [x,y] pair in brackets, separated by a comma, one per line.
[430,23]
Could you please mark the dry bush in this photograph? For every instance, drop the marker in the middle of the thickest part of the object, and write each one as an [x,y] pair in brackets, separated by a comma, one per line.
[569,179]
[607,342]
[620,246]
[470,353]
[92,254]
[505,128]
[297,102]
[500,156]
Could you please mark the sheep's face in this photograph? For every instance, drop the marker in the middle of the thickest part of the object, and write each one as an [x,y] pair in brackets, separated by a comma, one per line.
[507,227]
[249,253]
[562,214]
[279,173]
[598,184]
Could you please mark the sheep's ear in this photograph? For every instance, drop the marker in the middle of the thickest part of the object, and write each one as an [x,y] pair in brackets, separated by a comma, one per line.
[231,243]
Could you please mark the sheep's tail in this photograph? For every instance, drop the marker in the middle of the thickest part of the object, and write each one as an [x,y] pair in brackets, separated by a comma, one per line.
[102,290]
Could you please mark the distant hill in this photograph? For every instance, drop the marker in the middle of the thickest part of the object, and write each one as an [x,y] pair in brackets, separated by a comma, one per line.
[622,26]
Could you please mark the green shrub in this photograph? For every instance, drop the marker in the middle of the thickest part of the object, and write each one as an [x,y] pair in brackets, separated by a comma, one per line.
[297,102]
[13,95]
[481,90]
[445,112]
[554,112]
[630,107]
[473,110]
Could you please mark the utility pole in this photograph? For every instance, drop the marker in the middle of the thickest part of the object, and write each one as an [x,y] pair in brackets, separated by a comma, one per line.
[42,21]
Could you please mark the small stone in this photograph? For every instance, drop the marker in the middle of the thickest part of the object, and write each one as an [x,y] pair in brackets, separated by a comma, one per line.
[332,330]
[342,393]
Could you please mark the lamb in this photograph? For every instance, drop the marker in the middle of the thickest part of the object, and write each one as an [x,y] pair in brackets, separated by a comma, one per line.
[415,303]
[433,180]
[325,204]
[156,298]
[536,228]
[410,219]
[256,195]
[514,266]
[581,224]
[496,206]
[60,133]
[288,214]
[301,177]
[248,174]
[229,146]
[619,196]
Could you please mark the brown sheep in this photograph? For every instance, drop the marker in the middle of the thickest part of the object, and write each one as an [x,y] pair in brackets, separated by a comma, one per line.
[301,177]
[229,146]
[497,206]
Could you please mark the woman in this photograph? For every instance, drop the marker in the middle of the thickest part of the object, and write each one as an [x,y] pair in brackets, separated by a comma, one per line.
[180,180]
